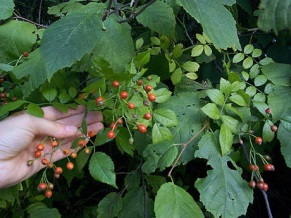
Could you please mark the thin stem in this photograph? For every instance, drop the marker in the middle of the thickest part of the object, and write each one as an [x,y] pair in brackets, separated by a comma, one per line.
[39,11]
[29,21]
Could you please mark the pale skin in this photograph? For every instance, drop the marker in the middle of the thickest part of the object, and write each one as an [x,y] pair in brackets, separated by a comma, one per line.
[20,134]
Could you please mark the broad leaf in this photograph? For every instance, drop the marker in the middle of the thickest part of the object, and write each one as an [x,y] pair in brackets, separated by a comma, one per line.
[268,134]
[6,9]
[11,106]
[211,110]
[162,95]
[231,195]
[284,138]
[110,206]
[35,110]
[101,168]
[39,208]
[155,182]
[136,203]
[216,96]
[230,122]
[173,201]
[274,15]
[159,155]
[278,73]
[165,117]
[80,30]
[217,22]
[160,18]
[225,139]
[123,143]
[161,133]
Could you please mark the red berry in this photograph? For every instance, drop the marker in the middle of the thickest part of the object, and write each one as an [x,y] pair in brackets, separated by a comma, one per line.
[258,140]
[44,161]
[115,83]
[130,105]
[48,193]
[113,126]
[42,186]
[54,143]
[81,143]
[3,95]
[142,128]
[274,128]
[50,165]
[148,88]
[139,82]
[123,94]
[252,167]
[147,116]
[269,167]
[81,96]
[265,187]
[37,154]
[73,155]
[58,170]
[91,134]
[100,101]
[252,184]
[87,151]
[152,97]
[66,151]
[260,185]
[40,147]
[25,54]
[268,111]
[120,121]
[111,134]
[70,165]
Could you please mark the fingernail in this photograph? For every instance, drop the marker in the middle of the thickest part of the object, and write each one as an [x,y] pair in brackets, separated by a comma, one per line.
[71,129]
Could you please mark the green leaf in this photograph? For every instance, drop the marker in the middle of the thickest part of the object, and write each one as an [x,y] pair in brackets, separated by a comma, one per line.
[13,44]
[173,201]
[284,138]
[159,17]
[231,123]
[266,61]
[80,30]
[225,139]
[254,71]
[251,91]
[176,76]
[256,53]
[165,117]
[231,195]
[260,80]
[35,110]
[216,96]
[162,95]
[178,50]
[268,134]
[49,93]
[136,203]
[82,159]
[10,194]
[248,49]
[278,73]
[139,43]
[236,98]
[192,76]
[225,86]
[190,66]
[6,67]
[11,106]
[159,155]
[110,206]
[207,50]
[39,209]
[161,133]
[197,50]
[6,9]
[155,182]
[238,58]
[274,15]
[201,39]
[217,22]
[248,63]
[101,168]
[123,143]
[211,110]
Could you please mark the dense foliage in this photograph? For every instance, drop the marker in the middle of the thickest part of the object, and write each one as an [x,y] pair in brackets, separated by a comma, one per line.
[195,99]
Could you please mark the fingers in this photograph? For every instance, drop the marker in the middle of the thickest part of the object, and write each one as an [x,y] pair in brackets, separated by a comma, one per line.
[76,120]
[52,113]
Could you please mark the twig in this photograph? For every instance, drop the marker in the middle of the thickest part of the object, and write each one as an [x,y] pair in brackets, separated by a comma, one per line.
[39,11]
[257,179]
[184,147]
[29,21]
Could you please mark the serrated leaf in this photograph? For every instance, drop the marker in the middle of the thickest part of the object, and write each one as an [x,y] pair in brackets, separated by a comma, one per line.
[238,58]
[178,50]
[217,22]
[266,61]
[230,122]
[191,66]
[109,206]
[228,182]
[6,67]
[197,50]
[173,201]
[268,134]
[211,110]
[176,76]
[248,63]
[165,117]
[39,208]
[278,73]
[274,15]
[256,53]
[225,139]
[49,93]
[160,18]
[254,71]
[216,96]
[123,143]
[237,99]
[207,50]
[245,75]
[35,110]
[82,159]
[155,182]
[260,80]
[11,106]
[162,95]
[200,38]
[192,76]
[161,133]
[284,138]
[6,9]
[101,168]
[248,49]
[225,86]
[78,29]
[160,155]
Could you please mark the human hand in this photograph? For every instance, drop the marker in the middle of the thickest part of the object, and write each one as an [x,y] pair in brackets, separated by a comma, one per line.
[20,133]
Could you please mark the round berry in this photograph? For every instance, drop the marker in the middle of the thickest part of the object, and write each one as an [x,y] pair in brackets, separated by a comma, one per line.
[113,126]
[44,161]
[57,175]
[100,101]
[268,111]
[25,54]
[146,103]
[252,184]
[274,128]
[269,167]
[265,186]
[91,134]
[81,96]
[81,143]
[120,121]
[54,143]
[87,151]
[267,157]
[139,82]
[42,186]
[3,95]
[149,78]
[50,185]
[131,141]
[110,134]
[123,94]
[48,193]
[115,83]
[258,140]
[130,105]
[252,167]
[70,165]
[147,116]
[58,170]
[260,185]
[148,88]
[40,147]
[152,97]
[50,165]
[66,151]
[73,155]
[141,128]
[37,154]
[30,163]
